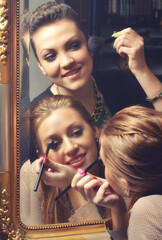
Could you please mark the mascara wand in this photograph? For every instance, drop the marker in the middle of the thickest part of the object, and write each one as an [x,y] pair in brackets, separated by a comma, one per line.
[50,144]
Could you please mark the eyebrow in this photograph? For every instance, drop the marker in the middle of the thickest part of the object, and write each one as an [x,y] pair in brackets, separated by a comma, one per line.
[66,44]
[72,125]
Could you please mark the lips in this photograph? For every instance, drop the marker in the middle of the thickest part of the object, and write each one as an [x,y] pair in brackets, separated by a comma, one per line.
[77,161]
[71,73]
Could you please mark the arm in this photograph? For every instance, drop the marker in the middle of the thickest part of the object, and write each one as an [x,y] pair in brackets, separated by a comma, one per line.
[25,192]
[129,44]
[30,202]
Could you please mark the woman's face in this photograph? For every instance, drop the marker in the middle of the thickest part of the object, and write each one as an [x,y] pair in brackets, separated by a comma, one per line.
[63,54]
[73,138]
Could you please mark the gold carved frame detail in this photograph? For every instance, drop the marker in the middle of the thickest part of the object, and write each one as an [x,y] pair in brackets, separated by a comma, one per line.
[7,226]
[4,31]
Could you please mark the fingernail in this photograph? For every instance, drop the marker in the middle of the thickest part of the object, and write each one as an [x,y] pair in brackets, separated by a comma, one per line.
[82,171]
[94,177]
[113,46]
[46,159]
[114,34]
[97,179]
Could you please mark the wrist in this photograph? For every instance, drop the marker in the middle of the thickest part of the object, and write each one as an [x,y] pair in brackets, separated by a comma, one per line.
[119,217]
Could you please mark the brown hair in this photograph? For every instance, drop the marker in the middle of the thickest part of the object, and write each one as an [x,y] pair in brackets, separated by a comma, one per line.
[59,211]
[132,146]
[49,13]
[24,28]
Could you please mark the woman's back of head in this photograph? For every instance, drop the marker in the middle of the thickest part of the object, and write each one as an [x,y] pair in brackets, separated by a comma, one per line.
[132,144]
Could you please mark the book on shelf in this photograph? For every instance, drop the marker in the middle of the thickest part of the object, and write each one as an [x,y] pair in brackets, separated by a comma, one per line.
[134,12]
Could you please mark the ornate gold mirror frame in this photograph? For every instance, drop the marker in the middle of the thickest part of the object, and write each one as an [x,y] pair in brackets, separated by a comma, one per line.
[11,226]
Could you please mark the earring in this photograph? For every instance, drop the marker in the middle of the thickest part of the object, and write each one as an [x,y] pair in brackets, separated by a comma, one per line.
[44,73]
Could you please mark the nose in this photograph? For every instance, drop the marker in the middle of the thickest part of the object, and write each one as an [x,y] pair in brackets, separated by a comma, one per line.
[66,60]
[70,147]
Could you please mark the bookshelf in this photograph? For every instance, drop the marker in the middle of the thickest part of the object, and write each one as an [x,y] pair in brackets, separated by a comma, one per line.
[102,17]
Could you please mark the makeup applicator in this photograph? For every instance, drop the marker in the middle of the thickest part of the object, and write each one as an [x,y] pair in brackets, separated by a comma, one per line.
[96,43]
[50,145]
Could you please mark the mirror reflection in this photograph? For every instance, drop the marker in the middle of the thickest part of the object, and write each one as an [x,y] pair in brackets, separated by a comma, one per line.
[67,99]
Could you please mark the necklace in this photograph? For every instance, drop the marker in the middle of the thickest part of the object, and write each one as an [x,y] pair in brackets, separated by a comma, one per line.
[100,113]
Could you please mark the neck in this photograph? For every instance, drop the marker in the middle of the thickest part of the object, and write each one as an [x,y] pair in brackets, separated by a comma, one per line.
[85,95]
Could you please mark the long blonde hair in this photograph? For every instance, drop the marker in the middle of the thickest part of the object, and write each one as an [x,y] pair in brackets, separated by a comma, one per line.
[59,211]
[132,145]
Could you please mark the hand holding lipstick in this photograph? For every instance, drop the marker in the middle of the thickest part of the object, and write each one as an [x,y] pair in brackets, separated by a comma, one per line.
[55,174]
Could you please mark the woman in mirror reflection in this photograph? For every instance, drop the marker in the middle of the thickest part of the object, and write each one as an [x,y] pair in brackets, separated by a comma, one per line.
[60,45]
[131,150]
[72,130]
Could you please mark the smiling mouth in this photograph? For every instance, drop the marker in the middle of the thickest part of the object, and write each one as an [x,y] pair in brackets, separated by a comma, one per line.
[77,159]
[71,73]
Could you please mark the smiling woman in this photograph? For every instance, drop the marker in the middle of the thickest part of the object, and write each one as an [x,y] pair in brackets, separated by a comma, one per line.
[15,96]
[73,133]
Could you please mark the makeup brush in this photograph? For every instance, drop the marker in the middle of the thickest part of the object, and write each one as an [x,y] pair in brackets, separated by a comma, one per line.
[50,145]
[96,43]
[69,186]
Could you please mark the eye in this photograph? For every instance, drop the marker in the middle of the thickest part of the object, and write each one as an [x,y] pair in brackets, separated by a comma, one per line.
[55,144]
[75,45]
[77,132]
[50,57]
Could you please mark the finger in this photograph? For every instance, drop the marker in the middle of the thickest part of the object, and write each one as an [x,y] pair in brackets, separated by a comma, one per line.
[51,178]
[81,173]
[128,38]
[53,165]
[105,189]
[91,188]
[128,30]
[38,164]
[87,178]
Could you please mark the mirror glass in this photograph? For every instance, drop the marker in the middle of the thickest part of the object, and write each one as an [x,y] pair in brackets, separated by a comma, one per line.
[34,206]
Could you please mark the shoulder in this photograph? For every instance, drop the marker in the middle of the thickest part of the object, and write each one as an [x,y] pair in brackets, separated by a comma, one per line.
[25,167]
[146,205]
[145,217]
[28,169]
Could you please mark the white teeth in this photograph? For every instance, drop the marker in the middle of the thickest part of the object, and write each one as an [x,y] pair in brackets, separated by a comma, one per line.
[71,73]
[77,160]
